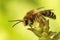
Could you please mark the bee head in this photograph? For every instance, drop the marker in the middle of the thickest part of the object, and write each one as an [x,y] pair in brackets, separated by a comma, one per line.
[25,21]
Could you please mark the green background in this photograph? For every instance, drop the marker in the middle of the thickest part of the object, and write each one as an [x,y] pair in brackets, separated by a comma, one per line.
[17,9]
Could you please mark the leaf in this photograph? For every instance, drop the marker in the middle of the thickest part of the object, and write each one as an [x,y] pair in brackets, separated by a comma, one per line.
[56,36]
[36,32]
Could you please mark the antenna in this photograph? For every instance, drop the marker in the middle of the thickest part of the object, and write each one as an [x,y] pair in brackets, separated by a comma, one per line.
[15,21]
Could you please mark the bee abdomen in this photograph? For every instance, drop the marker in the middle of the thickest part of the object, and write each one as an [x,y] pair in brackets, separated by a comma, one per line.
[48,13]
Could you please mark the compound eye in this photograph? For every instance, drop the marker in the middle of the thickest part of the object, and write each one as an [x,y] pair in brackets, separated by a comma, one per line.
[26,21]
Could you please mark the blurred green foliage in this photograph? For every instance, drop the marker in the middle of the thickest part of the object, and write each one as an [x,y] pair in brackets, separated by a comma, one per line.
[16,9]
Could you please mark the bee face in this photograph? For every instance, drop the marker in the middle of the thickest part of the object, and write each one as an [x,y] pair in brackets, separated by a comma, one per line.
[28,21]
[25,21]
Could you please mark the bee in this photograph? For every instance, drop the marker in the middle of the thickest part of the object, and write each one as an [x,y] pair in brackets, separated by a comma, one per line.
[36,14]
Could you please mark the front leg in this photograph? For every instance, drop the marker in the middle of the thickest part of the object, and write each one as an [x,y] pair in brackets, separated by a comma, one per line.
[30,26]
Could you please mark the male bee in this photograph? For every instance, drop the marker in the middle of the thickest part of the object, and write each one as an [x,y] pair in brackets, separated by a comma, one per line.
[36,14]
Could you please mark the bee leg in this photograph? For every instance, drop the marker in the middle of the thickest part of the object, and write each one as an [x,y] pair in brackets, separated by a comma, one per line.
[47,23]
[46,29]
[30,25]
[31,29]
[42,22]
